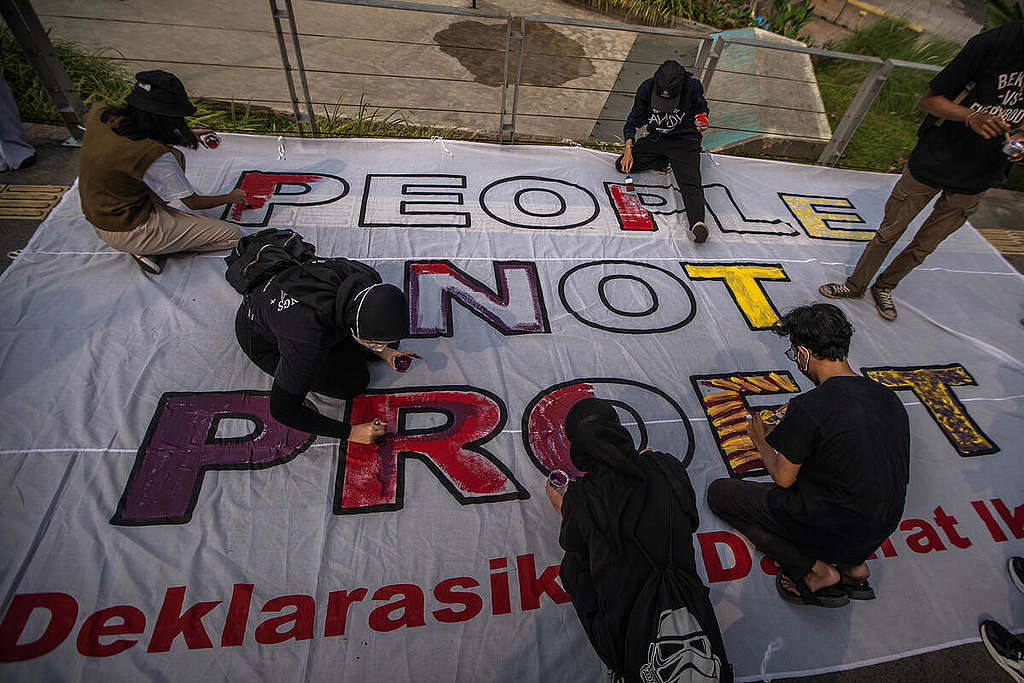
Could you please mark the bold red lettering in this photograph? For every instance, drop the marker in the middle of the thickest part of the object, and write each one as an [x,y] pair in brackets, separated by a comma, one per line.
[338,603]
[238,615]
[63,611]
[887,548]
[501,599]
[990,523]
[372,475]
[411,605]
[182,444]
[770,566]
[133,622]
[444,594]
[1015,521]
[301,620]
[925,540]
[713,565]
[948,525]
[269,190]
[630,210]
[172,622]
[531,586]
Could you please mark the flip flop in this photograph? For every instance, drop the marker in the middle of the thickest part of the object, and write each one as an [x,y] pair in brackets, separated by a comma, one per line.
[830,596]
[858,591]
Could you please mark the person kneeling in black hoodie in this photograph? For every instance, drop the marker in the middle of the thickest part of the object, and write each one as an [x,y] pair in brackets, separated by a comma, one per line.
[314,326]
[673,108]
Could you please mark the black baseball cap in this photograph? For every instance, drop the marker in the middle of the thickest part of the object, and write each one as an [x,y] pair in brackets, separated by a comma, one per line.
[669,80]
[160,92]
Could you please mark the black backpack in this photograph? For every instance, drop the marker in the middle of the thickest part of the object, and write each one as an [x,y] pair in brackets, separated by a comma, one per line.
[258,257]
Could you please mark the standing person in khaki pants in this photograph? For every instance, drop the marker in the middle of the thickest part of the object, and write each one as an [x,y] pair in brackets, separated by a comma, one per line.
[128,171]
[963,149]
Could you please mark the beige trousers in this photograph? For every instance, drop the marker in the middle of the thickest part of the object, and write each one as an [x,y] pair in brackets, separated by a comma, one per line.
[906,201]
[169,231]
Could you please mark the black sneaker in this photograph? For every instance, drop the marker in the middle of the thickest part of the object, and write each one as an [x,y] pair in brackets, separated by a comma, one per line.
[883,302]
[154,265]
[699,231]
[1005,648]
[1016,566]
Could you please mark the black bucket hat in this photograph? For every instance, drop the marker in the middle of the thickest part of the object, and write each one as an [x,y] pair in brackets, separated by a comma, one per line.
[160,92]
[669,80]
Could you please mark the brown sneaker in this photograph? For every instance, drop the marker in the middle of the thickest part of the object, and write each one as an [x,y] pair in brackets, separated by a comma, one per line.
[883,302]
[835,290]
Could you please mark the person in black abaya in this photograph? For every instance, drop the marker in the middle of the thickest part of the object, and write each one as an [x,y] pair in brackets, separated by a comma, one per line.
[314,326]
[629,565]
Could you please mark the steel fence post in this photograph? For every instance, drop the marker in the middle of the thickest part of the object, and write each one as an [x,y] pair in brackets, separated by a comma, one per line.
[855,113]
[504,79]
[519,77]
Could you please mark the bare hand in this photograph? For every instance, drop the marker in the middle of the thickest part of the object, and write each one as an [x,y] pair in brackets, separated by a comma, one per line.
[1019,156]
[701,127]
[627,160]
[555,496]
[367,432]
[239,196]
[201,131]
[987,125]
[755,428]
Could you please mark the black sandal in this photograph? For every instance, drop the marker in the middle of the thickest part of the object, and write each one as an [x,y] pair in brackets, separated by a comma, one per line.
[830,596]
[858,591]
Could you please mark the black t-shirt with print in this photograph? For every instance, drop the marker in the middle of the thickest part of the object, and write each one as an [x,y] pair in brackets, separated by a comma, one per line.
[951,156]
[851,438]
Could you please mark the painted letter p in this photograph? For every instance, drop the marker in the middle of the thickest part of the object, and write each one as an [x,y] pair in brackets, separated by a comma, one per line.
[183,442]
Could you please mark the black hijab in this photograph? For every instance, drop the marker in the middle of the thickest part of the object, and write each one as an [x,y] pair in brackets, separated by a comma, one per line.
[613,488]
[349,295]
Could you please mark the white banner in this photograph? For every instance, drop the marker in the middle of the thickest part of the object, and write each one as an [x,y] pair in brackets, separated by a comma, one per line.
[159,524]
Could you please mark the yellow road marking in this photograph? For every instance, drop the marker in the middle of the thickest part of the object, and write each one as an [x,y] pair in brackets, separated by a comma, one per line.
[29,202]
[1006,241]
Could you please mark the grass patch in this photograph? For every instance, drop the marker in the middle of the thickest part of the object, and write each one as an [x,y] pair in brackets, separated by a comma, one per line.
[888,133]
[724,14]
[97,77]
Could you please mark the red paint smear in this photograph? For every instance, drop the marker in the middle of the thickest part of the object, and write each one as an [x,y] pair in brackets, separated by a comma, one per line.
[260,187]
[546,427]
[630,209]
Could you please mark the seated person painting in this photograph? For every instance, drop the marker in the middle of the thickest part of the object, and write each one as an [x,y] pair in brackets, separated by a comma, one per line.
[129,170]
[629,565]
[315,324]
[840,461]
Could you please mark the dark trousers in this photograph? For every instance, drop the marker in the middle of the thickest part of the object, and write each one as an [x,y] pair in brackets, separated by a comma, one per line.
[655,152]
[344,373]
[744,505]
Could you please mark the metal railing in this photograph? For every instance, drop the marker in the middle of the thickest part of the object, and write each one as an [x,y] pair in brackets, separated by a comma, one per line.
[526,107]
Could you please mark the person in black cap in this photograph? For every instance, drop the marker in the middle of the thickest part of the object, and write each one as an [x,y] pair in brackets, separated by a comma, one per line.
[129,171]
[629,565]
[314,326]
[673,107]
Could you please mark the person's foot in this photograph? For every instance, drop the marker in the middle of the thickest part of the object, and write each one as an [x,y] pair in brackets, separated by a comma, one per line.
[1016,567]
[837,290]
[818,587]
[883,302]
[153,265]
[854,582]
[822,575]
[1005,648]
[699,232]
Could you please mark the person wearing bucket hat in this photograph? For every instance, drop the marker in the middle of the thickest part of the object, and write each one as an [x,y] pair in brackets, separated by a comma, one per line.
[129,171]
[672,106]
[314,324]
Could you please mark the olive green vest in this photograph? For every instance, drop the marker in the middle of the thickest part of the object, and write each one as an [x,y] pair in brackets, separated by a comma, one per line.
[110,170]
